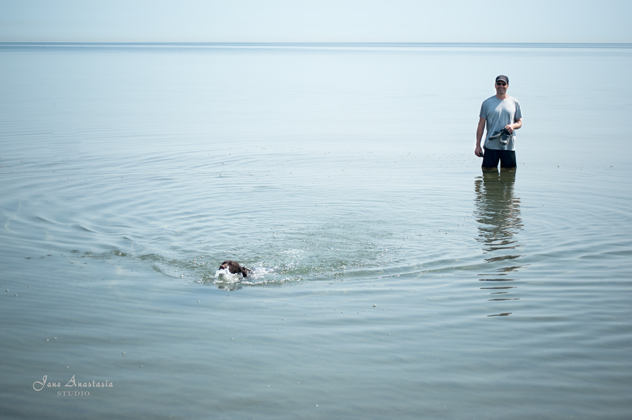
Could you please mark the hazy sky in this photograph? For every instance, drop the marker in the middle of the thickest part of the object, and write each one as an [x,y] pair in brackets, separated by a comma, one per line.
[315,20]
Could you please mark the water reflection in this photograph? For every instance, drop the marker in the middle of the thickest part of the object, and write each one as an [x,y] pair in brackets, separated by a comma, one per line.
[498,216]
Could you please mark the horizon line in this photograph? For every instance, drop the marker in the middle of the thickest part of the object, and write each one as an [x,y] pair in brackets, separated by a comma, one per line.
[318,43]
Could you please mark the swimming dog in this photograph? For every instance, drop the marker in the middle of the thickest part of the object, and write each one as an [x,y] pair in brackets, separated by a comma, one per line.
[235,268]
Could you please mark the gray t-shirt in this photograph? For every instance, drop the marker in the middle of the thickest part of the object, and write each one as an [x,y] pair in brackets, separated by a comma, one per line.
[498,113]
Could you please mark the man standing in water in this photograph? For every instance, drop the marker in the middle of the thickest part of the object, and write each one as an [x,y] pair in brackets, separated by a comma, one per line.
[502,115]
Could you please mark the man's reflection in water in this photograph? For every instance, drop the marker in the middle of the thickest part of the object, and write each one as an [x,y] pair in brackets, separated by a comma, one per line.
[498,215]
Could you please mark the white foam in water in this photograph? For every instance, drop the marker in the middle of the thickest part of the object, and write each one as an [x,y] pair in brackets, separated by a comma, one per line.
[260,272]
[258,276]
[226,277]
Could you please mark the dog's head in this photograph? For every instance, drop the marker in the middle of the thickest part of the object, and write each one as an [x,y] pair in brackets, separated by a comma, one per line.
[234,268]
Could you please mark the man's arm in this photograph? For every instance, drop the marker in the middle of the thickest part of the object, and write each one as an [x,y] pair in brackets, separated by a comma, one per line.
[514,126]
[479,135]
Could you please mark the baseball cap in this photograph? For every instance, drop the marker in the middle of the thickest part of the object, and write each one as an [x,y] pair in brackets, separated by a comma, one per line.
[503,78]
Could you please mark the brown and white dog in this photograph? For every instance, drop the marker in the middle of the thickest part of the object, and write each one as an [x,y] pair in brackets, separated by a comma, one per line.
[235,268]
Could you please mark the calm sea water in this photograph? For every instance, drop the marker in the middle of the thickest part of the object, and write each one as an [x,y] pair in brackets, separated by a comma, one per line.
[392,279]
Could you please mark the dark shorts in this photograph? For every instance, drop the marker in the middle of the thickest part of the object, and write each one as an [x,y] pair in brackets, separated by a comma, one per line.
[491,158]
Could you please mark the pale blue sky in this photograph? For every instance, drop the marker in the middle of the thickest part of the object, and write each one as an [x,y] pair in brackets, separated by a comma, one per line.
[315,21]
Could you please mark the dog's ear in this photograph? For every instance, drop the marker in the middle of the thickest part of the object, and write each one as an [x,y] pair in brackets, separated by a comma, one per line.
[244,271]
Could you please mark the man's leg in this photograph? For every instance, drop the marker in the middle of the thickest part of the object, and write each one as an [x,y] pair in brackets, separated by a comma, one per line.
[508,160]
[490,159]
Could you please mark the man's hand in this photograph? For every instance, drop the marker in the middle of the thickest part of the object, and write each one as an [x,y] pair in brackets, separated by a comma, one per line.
[479,136]
[514,126]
